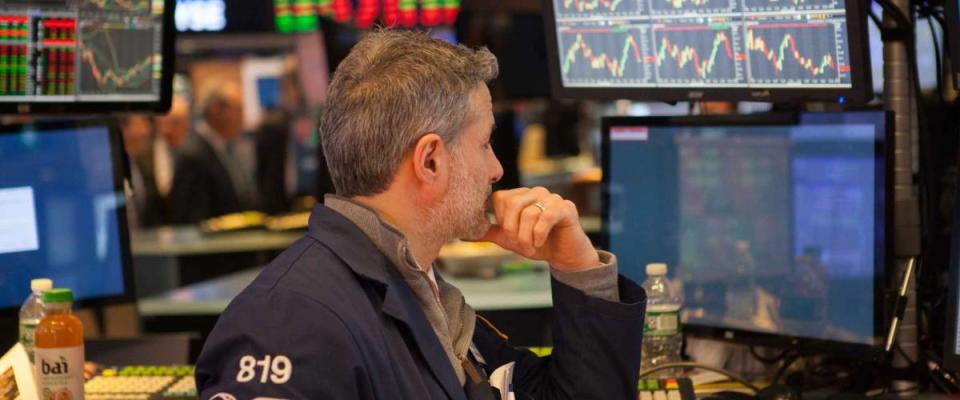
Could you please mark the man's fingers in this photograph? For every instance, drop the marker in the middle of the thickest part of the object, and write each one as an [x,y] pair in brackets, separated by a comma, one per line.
[498,203]
[528,219]
[513,203]
[551,215]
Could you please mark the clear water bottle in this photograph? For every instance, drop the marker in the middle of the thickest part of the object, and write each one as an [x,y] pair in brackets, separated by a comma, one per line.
[662,333]
[32,312]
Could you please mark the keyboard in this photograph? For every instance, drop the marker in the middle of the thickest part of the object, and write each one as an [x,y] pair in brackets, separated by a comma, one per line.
[144,382]
[665,389]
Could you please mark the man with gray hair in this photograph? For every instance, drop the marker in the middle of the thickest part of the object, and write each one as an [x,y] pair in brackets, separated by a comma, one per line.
[213,175]
[357,310]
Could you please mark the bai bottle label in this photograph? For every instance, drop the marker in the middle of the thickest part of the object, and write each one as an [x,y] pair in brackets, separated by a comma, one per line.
[59,373]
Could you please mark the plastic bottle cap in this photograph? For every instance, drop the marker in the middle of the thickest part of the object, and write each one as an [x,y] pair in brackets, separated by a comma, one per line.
[58,296]
[42,284]
[656,269]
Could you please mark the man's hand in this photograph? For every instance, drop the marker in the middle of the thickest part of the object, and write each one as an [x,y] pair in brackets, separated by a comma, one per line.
[543,226]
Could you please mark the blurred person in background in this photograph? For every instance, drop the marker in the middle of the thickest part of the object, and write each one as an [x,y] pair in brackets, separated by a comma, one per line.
[211,177]
[146,206]
[172,130]
[285,132]
[290,162]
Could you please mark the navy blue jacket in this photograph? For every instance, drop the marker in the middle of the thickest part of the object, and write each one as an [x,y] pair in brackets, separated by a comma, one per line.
[332,318]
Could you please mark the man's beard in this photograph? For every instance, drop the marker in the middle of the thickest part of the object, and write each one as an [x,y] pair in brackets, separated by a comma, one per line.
[462,214]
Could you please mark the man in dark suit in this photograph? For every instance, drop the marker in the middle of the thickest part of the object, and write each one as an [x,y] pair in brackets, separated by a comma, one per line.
[210,177]
[290,161]
[147,207]
[356,308]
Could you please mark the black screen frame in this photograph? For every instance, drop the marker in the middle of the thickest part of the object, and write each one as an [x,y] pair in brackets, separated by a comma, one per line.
[161,105]
[951,11]
[951,357]
[883,235]
[120,167]
[860,92]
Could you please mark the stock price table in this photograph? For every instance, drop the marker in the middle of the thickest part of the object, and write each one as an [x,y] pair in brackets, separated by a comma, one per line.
[687,7]
[599,8]
[780,5]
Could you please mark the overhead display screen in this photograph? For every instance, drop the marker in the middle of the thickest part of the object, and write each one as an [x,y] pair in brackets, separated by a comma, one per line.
[55,54]
[706,48]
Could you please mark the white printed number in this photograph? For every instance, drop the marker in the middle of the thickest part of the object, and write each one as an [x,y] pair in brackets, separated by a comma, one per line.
[276,369]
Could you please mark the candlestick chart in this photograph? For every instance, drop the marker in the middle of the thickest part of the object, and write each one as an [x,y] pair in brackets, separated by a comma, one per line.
[125,6]
[604,55]
[114,59]
[795,53]
[697,54]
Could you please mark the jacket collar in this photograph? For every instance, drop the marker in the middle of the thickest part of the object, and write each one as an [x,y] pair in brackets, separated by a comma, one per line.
[358,252]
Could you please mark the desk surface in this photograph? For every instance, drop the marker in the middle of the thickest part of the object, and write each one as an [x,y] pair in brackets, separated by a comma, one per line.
[171,241]
[188,240]
[517,290]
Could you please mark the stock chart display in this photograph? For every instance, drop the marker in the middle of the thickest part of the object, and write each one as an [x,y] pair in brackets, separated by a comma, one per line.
[703,43]
[81,50]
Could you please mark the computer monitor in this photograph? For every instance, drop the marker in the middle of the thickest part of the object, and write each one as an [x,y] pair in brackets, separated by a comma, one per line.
[62,213]
[774,223]
[951,345]
[728,50]
[951,11]
[86,55]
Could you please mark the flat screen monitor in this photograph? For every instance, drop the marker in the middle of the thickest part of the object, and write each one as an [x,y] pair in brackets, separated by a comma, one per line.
[62,213]
[86,55]
[951,345]
[759,50]
[951,10]
[775,224]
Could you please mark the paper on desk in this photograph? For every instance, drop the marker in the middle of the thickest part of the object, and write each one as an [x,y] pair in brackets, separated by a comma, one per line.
[502,379]
[16,375]
[18,220]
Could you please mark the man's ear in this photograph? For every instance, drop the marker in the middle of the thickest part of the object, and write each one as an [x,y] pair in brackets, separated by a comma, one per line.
[430,157]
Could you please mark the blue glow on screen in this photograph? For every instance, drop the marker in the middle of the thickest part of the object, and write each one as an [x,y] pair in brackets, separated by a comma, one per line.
[58,214]
[771,228]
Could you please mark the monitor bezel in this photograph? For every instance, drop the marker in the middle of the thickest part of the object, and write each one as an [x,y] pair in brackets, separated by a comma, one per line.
[883,234]
[951,358]
[861,91]
[120,167]
[951,11]
[160,105]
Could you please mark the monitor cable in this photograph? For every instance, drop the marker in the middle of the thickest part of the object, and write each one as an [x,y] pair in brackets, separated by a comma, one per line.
[787,362]
[899,308]
[769,359]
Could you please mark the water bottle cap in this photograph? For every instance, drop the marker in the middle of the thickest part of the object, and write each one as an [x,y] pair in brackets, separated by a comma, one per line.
[656,269]
[42,284]
[58,296]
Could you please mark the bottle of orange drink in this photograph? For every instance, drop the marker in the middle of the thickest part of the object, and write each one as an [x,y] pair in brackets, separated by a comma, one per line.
[59,349]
